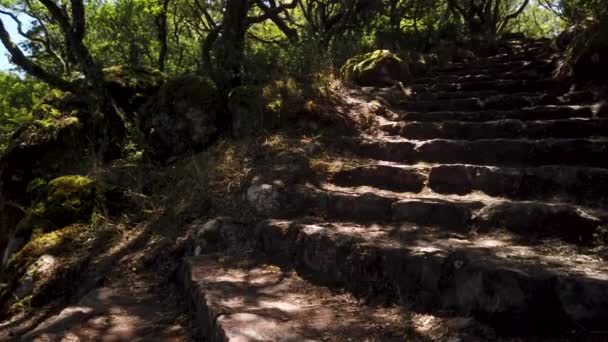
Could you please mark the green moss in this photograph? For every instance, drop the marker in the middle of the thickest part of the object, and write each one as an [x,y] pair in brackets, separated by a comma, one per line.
[69,199]
[134,78]
[55,242]
[367,69]
[66,244]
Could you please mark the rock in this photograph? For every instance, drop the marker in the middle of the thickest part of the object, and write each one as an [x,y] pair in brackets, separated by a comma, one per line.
[463,55]
[434,212]
[131,87]
[542,220]
[60,139]
[451,179]
[264,198]
[379,68]
[183,117]
[69,199]
[37,272]
[418,64]
[219,234]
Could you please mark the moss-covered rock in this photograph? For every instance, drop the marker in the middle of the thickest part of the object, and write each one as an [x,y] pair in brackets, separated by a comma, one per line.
[39,269]
[184,116]
[69,199]
[378,68]
[132,87]
[57,140]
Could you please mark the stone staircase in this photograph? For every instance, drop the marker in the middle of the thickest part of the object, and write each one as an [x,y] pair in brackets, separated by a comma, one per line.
[479,215]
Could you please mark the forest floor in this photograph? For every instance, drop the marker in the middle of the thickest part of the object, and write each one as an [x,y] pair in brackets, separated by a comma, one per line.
[126,294]
[126,284]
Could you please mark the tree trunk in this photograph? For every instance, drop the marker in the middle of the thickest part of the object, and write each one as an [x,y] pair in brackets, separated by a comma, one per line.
[161,26]
[230,45]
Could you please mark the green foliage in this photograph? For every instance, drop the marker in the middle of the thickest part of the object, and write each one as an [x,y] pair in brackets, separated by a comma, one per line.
[537,22]
[575,11]
[18,97]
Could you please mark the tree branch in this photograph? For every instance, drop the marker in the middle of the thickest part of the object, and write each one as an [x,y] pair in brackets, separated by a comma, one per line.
[513,15]
[30,67]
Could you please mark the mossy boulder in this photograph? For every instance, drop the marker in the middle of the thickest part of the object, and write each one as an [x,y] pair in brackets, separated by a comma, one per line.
[131,87]
[182,117]
[46,266]
[61,202]
[57,140]
[69,199]
[379,68]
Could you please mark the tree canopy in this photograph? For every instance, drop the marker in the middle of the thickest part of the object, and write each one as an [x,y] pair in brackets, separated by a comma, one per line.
[68,43]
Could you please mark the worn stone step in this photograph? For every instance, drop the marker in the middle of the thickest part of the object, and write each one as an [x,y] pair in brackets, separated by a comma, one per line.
[529,75]
[496,152]
[577,185]
[562,96]
[532,220]
[566,128]
[501,85]
[580,185]
[496,67]
[497,102]
[517,288]
[549,112]
[383,176]
[474,65]
[245,300]
[445,95]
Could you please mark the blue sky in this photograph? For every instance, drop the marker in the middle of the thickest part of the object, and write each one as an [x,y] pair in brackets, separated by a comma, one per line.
[11,27]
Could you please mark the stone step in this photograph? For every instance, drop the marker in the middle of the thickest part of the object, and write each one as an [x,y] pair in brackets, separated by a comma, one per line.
[561,94]
[383,176]
[566,128]
[244,300]
[446,95]
[497,102]
[577,185]
[483,64]
[528,219]
[495,67]
[549,112]
[540,288]
[496,152]
[501,85]
[528,75]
